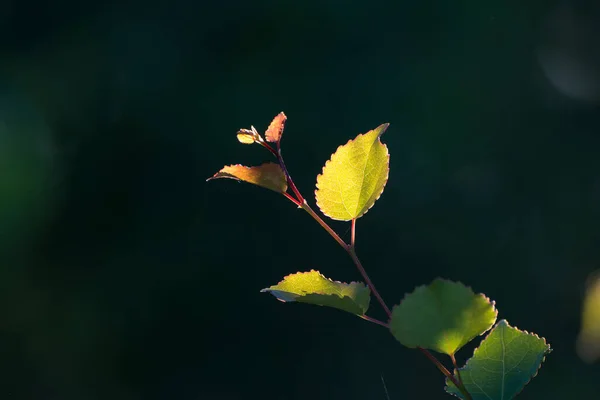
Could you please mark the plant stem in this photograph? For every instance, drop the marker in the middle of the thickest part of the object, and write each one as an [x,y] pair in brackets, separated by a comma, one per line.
[329,230]
[462,385]
[287,175]
[375,321]
[292,199]
[362,271]
[353,233]
[266,146]
[445,371]
[350,249]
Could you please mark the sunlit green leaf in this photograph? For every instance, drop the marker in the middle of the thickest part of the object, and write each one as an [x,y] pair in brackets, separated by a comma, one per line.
[275,129]
[269,175]
[503,364]
[313,288]
[443,316]
[354,178]
[588,341]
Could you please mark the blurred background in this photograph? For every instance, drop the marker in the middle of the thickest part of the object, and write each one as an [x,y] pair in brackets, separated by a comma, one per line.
[126,276]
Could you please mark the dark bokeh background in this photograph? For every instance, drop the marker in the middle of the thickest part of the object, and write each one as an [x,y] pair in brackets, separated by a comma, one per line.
[125,276]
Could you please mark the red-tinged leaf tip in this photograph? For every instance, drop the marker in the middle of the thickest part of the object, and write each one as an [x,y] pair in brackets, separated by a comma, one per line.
[269,175]
[275,129]
[382,128]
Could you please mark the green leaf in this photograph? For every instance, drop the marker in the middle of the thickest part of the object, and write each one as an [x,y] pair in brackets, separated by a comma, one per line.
[503,364]
[354,178]
[443,316]
[269,175]
[313,288]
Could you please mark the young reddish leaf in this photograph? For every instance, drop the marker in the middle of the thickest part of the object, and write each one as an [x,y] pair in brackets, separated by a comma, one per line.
[275,129]
[354,178]
[269,175]
[313,288]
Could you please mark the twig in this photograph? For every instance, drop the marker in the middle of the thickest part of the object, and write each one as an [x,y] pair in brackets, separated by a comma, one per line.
[375,321]
[445,371]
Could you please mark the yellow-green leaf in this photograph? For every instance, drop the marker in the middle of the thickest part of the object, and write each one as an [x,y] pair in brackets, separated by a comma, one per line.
[269,175]
[248,136]
[313,288]
[245,137]
[442,316]
[354,178]
[275,129]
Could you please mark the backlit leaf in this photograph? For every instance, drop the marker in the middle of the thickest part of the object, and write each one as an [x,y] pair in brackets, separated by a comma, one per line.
[354,177]
[269,175]
[504,363]
[588,341]
[245,136]
[313,288]
[275,129]
[249,136]
[443,316]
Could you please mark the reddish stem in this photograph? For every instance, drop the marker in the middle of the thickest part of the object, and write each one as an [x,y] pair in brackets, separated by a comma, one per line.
[329,230]
[292,199]
[287,175]
[266,146]
[375,321]
[445,371]
[462,385]
[362,271]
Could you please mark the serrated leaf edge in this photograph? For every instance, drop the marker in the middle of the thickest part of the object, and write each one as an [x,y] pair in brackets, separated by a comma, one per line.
[492,302]
[336,150]
[361,285]
[322,276]
[227,175]
[548,351]
[282,127]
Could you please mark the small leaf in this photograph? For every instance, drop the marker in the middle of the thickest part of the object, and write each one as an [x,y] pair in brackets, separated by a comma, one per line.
[506,360]
[313,288]
[249,136]
[443,316]
[354,178]
[588,341]
[245,136]
[269,175]
[275,129]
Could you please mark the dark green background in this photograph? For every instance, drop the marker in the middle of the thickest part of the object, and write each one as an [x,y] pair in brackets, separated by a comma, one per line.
[125,276]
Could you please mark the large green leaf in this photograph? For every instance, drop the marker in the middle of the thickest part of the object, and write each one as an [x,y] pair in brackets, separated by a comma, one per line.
[503,364]
[354,178]
[313,288]
[443,316]
[269,175]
